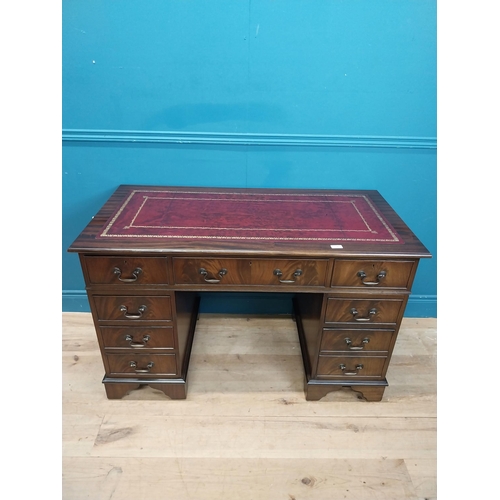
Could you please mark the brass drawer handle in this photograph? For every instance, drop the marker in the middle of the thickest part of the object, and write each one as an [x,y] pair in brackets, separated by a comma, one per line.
[358,369]
[279,273]
[135,274]
[135,345]
[371,313]
[204,273]
[140,312]
[381,275]
[348,341]
[150,365]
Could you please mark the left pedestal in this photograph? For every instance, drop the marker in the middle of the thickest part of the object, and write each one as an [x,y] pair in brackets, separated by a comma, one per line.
[144,328]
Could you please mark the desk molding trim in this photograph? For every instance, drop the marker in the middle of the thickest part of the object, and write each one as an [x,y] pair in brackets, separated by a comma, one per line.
[242,139]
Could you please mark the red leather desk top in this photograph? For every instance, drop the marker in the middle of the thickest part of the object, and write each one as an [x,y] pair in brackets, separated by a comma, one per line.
[248,221]
[234,215]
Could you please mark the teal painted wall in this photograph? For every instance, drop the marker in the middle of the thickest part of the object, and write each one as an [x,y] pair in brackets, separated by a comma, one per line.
[241,93]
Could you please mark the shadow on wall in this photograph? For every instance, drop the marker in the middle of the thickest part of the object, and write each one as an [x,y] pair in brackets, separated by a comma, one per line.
[182,116]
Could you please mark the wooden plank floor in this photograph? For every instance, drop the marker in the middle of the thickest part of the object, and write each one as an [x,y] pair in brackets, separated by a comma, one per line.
[245,431]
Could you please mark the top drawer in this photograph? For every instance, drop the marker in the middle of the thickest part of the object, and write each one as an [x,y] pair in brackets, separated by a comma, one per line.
[373,273]
[269,272]
[127,270]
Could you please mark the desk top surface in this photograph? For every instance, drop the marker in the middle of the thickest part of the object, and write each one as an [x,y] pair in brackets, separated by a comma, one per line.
[248,221]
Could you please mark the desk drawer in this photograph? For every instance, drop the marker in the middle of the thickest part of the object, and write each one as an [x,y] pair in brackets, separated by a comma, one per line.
[363,311]
[356,341]
[283,272]
[372,273]
[127,271]
[269,272]
[131,308]
[211,271]
[142,365]
[351,367]
[126,337]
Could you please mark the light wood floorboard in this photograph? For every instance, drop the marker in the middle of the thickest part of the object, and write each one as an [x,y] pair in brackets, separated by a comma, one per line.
[245,431]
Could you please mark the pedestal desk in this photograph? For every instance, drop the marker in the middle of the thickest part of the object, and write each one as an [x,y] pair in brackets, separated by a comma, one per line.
[345,258]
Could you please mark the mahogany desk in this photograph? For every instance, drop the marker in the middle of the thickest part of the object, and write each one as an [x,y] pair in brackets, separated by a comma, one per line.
[346,258]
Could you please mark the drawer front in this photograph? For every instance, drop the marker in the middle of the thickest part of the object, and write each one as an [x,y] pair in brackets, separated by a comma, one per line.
[351,367]
[211,271]
[363,311]
[372,273]
[127,271]
[116,337]
[131,308]
[278,272]
[142,365]
[356,341]
[283,272]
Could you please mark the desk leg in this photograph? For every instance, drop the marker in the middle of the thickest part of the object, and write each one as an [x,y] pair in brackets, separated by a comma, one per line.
[118,388]
[173,391]
[316,390]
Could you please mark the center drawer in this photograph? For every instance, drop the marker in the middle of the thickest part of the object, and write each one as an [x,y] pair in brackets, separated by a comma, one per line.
[132,308]
[231,271]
